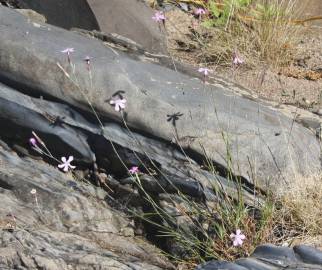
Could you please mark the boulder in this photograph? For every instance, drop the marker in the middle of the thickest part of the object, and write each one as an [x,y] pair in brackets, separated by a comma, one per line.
[122,17]
[63,13]
[252,138]
[270,257]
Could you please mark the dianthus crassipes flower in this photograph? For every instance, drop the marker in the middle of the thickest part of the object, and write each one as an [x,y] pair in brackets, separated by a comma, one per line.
[118,103]
[237,238]
[159,17]
[65,166]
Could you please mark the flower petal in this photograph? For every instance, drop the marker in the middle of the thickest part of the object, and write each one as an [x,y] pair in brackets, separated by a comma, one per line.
[70,159]
[63,159]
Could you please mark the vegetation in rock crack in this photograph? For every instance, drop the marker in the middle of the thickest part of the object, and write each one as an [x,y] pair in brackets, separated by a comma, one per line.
[192,230]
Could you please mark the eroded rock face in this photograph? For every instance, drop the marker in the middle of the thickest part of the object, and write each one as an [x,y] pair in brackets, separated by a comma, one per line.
[265,146]
[67,224]
[269,257]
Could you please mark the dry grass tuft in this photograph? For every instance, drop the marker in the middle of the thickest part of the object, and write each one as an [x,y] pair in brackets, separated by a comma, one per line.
[299,213]
[266,32]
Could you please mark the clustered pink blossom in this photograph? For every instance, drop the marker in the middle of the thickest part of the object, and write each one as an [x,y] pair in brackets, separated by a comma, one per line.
[237,238]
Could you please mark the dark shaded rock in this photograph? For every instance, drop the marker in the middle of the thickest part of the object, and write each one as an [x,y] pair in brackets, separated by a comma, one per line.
[270,257]
[17,111]
[67,131]
[210,114]
[131,19]
[63,13]
[309,254]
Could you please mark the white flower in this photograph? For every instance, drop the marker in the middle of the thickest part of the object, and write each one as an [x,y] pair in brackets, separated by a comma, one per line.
[205,71]
[237,238]
[119,103]
[66,164]
[68,51]
[33,191]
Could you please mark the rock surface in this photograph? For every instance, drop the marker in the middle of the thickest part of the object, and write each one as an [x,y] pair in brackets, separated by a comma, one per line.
[269,257]
[122,17]
[263,143]
[63,13]
[114,16]
[67,224]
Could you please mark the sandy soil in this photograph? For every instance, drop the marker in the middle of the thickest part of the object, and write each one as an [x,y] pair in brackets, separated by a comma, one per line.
[300,83]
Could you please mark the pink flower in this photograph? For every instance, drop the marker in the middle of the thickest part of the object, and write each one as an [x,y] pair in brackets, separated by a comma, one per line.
[119,103]
[68,51]
[237,60]
[159,17]
[205,71]
[200,11]
[237,238]
[33,142]
[66,164]
[134,170]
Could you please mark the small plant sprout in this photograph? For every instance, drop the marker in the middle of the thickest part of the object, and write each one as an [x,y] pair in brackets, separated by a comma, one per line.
[87,60]
[33,192]
[237,238]
[118,103]
[134,170]
[65,166]
[159,17]
[68,51]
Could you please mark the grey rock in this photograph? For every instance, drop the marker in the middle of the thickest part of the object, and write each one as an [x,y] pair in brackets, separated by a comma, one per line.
[67,227]
[265,146]
[65,130]
[270,257]
[122,17]
[63,13]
